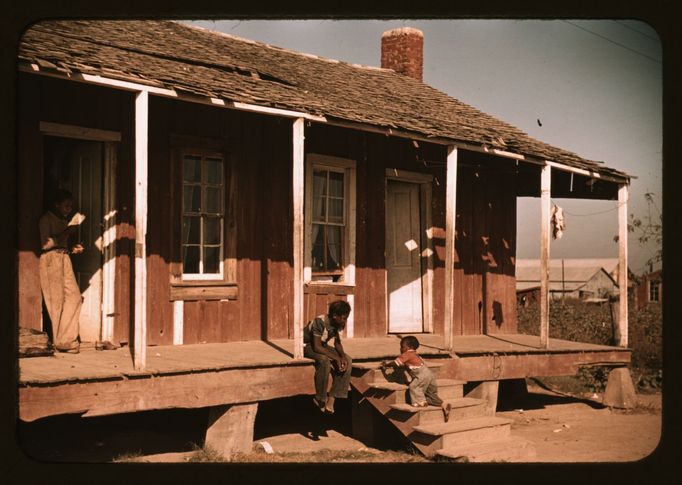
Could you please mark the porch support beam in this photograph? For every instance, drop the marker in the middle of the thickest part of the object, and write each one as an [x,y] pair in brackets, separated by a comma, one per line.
[141,139]
[545,191]
[622,330]
[450,218]
[298,176]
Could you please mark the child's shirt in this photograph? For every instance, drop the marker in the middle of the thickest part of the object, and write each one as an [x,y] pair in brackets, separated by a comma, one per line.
[410,359]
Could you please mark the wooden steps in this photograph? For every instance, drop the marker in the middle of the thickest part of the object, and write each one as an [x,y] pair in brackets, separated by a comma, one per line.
[461,408]
[470,434]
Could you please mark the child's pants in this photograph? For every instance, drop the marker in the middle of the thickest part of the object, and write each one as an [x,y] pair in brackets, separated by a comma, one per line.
[62,297]
[423,387]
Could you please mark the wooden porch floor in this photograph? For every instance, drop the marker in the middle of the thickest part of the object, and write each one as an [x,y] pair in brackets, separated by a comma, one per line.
[92,365]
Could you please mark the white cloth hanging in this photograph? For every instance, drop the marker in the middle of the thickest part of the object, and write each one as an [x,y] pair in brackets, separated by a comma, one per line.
[558,222]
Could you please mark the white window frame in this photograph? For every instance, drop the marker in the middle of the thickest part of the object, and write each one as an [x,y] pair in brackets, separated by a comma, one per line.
[327,162]
[657,284]
[220,276]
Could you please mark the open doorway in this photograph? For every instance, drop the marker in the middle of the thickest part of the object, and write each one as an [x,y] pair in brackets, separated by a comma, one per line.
[83,167]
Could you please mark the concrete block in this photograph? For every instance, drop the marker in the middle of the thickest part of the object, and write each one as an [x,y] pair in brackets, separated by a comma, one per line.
[230,428]
[620,391]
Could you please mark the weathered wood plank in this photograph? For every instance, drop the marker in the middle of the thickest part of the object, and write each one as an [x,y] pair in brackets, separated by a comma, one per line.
[545,201]
[516,366]
[178,391]
[622,328]
[141,182]
[450,221]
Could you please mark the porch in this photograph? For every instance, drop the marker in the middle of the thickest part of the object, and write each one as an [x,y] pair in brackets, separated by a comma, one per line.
[95,383]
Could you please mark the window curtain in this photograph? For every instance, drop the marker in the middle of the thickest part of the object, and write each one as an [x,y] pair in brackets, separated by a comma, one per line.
[319,184]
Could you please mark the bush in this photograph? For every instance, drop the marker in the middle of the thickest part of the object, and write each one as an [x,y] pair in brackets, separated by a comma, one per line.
[580,322]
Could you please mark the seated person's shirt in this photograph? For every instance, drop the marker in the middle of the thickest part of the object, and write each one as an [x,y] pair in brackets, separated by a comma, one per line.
[320,326]
[409,359]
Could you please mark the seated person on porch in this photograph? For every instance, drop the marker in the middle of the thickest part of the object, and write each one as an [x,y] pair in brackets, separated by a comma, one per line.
[316,336]
[423,388]
[57,280]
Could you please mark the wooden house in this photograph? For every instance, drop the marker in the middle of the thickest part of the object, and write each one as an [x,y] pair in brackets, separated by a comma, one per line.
[233,189]
[649,289]
[569,278]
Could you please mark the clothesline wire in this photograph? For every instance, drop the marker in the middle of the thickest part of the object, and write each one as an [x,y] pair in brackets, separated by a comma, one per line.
[590,214]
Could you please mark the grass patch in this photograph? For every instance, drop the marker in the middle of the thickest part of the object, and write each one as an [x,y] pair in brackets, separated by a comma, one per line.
[128,457]
[331,456]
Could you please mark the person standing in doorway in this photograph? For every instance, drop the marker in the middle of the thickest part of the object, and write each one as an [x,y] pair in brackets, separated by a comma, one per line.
[57,280]
[329,361]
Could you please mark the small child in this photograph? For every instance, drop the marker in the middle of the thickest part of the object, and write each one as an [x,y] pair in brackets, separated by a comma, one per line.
[423,388]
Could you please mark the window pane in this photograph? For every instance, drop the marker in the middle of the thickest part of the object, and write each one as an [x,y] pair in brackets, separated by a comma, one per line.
[319,209]
[334,234]
[191,198]
[318,257]
[213,171]
[335,184]
[318,248]
[212,260]
[212,230]
[191,169]
[319,182]
[190,259]
[335,210]
[190,230]
[214,200]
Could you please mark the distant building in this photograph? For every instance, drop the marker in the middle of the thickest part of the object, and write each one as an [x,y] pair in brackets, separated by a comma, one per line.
[649,289]
[589,280]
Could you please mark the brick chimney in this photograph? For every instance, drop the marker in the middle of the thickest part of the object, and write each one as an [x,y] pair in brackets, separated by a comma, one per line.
[402,50]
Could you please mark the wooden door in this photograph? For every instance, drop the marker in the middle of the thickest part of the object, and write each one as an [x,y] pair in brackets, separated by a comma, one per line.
[403,264]
[76,165]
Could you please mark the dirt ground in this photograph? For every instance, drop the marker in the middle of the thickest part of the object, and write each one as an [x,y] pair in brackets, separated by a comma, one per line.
[563,428]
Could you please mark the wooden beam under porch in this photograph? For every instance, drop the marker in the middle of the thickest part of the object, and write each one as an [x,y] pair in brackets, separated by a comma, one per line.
[96,383]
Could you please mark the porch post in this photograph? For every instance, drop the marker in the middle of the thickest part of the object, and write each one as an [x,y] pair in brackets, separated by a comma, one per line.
[622,330]
[298,175]
[140,331]
[450,218]
[545,190]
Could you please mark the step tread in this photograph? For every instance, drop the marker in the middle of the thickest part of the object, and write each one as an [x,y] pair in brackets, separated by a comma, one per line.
[395,386]
[511,445]
[462,402]
[438,429]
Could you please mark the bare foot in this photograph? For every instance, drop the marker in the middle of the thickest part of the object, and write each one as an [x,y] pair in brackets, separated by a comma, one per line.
[329,406]
[446,411]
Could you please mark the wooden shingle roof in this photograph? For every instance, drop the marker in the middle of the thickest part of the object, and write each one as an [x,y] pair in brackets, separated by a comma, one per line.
[198,61]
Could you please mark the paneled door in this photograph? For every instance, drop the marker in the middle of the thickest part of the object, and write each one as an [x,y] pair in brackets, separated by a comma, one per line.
[403,263]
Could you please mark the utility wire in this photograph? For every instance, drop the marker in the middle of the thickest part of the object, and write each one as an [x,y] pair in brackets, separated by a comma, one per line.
[612,41]
[635,30]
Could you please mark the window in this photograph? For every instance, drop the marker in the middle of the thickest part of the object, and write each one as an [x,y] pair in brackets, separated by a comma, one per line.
[329,218]
[328,222]
[654,290]
[203,220]
[203,217]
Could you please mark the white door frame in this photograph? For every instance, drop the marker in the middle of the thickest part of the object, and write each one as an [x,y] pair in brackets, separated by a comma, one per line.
[110,140]
[425,182]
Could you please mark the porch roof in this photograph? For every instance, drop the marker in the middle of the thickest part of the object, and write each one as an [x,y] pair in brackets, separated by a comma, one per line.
[195,61]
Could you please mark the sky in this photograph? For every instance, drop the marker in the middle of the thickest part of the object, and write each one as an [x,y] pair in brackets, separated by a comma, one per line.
[595,86]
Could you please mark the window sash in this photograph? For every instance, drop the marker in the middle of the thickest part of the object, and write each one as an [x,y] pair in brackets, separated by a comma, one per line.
[322,221]
[209,182]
